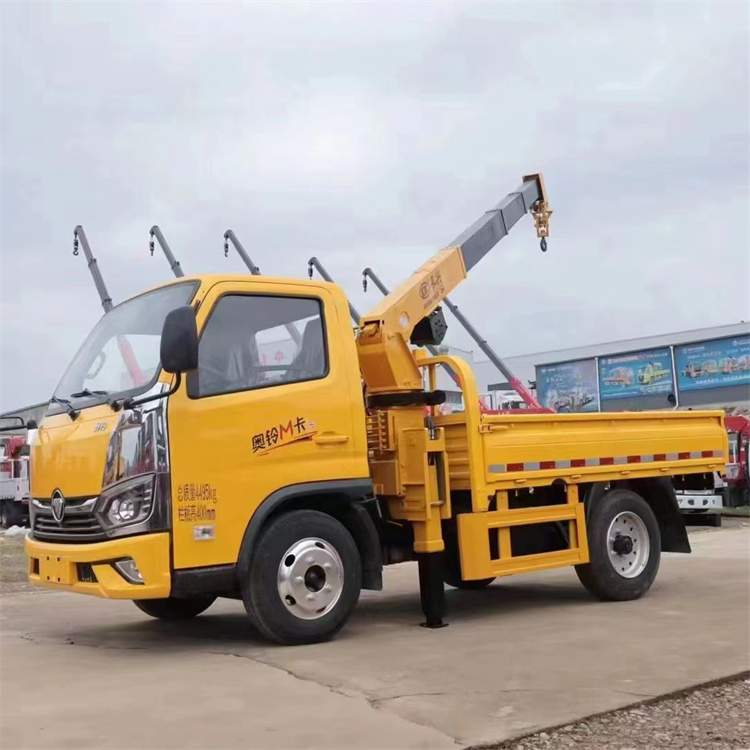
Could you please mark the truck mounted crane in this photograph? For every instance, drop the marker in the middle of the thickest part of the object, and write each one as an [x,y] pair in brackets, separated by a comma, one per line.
[313,484]
[79,238]
[230,236]
[174,264]
[315,264]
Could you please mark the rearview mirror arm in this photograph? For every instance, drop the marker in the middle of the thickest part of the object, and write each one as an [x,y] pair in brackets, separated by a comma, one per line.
[130,402]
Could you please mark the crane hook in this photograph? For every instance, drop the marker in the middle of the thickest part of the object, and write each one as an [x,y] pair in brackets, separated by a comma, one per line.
[364,281]
[541,213]
[309,269]
[151,245]
[75,243]
[226,247]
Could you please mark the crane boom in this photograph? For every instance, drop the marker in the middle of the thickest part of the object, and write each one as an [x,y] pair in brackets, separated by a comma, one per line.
[515,383]
[174,264]
[369,273]
[316,264]
[410,312]
[79,236]
[229,235]
[128,356]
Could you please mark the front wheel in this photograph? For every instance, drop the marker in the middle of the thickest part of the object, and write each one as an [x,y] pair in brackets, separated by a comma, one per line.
[11,514]
[304,579]
[624,547]
[174,609]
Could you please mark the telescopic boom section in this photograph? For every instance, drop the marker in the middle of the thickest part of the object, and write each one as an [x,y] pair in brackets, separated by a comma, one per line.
[174,264]
[79,236]
[410,312]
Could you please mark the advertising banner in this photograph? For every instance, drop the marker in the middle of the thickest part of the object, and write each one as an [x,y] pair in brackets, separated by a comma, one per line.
[713,364]
[636,374]
[568,386]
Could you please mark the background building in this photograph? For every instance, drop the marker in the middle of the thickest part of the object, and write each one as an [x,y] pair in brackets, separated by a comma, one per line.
[705,367]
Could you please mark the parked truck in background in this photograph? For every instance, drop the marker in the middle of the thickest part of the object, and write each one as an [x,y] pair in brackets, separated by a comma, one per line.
[192,470]
[14,481]
[738,461]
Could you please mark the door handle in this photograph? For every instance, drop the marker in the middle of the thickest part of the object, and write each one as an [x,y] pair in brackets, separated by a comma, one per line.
[331,439]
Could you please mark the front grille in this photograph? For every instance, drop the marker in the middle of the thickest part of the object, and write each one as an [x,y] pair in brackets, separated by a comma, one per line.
[79,523]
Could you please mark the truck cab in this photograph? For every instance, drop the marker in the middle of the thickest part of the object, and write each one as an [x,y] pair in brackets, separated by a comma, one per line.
[240,430]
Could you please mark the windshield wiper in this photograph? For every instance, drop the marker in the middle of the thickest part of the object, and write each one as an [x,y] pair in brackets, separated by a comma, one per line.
[87,392]
[65,403]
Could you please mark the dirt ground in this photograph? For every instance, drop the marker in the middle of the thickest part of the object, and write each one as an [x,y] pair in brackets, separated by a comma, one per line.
[710,718]
[530,652]
[13,566]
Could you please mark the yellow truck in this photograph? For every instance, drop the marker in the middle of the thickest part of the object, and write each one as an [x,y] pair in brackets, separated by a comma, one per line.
[176,465]
[652,373]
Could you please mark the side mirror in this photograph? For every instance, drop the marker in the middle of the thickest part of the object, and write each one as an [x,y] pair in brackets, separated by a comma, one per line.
[179,341]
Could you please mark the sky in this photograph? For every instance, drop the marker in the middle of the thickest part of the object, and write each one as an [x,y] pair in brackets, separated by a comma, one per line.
[372,134]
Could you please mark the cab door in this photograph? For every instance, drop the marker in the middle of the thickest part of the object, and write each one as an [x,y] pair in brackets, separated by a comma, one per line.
[276,401]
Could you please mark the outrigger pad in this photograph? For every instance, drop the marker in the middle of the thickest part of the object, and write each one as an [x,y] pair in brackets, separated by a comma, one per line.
[430,331]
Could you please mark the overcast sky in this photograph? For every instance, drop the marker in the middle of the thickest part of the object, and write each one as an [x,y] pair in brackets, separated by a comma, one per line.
[372,134]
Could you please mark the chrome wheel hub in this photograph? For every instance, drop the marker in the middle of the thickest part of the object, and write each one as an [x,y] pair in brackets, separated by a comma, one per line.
[628,544]
[311,578]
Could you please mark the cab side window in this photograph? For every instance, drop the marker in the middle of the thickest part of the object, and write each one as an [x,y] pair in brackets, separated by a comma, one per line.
[255,341]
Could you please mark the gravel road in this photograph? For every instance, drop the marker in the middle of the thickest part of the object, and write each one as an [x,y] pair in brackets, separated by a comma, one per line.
[709,718]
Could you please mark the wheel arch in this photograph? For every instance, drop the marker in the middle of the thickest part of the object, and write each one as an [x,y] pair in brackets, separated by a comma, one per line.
[344,500]
[659,493]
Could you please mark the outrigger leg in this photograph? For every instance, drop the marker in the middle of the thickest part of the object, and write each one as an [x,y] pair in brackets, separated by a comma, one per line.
[431,588]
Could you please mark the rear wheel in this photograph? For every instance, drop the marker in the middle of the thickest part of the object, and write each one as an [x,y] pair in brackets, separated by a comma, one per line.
[452,575]
[304,579]
[452,568]
[624,547]
[458,583]
[174,609]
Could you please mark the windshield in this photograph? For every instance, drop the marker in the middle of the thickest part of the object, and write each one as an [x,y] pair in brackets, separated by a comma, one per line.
[121,354]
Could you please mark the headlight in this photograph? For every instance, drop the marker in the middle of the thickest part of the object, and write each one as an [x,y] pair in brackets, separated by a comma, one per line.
[127,502]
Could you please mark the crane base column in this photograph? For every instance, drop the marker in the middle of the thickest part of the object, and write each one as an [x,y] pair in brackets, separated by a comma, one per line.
[431,588]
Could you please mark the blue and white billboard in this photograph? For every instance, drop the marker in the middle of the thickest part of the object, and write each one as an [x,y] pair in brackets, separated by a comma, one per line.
[713,364]
[645,373]
[568,386]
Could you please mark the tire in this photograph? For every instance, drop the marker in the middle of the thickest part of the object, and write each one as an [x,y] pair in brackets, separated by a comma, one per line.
[459,583]
[452,572]
[304,578]
[714,520]
[626,572]
[12,514]
[175,609]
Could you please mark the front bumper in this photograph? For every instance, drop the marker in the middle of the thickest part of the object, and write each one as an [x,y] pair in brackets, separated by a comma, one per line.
[59,566]
[699,501]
